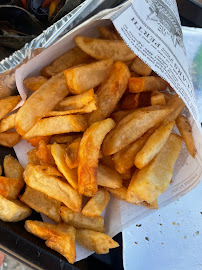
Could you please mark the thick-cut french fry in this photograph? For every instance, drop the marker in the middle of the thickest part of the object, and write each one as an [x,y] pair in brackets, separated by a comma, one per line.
[126,175]
[7,104]
[107,33]
[80,221]
[44,154]
[95,241]
[107,177]
[132,127]
[9,139]
[53,187]
[34,83]
[118,116]
[148,183]
[176,104]
[130,101]
[144,99]
[107,161]
[42,203]
[36,140]
[124,159]
[96,205]
[58,153]
[110,92]
[51,170]
[186,132]
[154,144]
[69,59]
[71,154]
[7,123]
[40,102]
[57,125]
[65,138]
[157,98]
[149,83]
[152,205]
[140,67]
[85,77]
[33,158]
[13,210]
[13,168]
[10,187]
[89,154]
[119,193]
[105,49]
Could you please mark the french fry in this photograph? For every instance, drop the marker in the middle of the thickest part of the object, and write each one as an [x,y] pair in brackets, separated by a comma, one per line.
[65,138]
[110,92]
[44,154]
[119,193]
[154,144]
[10,187]
[107,33]
[105,49]
[41,203]
[85,77]
[40,102]
[148,183]
[95,241]
[140,67]
[7,104]
[126,175]
[133,127]
[96,205]
[51,170]
[34,83]
[144,99]
[71,154]
[35,141]
[58,153]
[108,161]
[89,154]
[7,123]
[33,158]
[53,187]
[107,177]
[176,104]
[186,131]
[13,168]
[9,139]
[69,59]
[149,83]
[152,205]
[157,98]
[80,221]
[118,116]
[13,210]
[57,125]
[130,101]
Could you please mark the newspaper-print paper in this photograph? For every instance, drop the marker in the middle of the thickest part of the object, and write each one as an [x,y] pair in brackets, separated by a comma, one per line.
[187,171]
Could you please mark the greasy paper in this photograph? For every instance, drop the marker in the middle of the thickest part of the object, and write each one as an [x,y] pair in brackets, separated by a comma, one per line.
[167,57]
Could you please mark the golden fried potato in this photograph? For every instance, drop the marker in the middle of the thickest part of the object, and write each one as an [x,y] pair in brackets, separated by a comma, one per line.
[118,116]
[80,221]
[105,49]
[89,154]
[41,203]
[176,104]
[149,83]
[85,77]
[107,177]
[7,104]
[140,67]
[65,138]
[13,168]
[36,140]
[33,158]
[186,132]
[10,187]
[7,123]
[52,186]
[119,193]
[34,83]
[157,98]
[13,210]
[95,241]
[50,170]
[40,102]
[9,139]
[130,101]
[107,33]
[44,154]
[71,154]
[96,205]
[132,127]
[110,92]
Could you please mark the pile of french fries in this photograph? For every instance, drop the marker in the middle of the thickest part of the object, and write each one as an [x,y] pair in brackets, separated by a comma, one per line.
[101,123]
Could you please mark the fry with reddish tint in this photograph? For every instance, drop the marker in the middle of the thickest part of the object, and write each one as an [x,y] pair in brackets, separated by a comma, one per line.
[130,102]
[143,84]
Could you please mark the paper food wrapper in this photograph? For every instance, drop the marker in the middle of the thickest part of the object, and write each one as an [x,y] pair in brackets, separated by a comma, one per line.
[152,30]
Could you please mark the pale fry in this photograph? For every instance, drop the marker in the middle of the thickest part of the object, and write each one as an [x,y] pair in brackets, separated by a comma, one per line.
[10,187]
[176,104]
[57,125]
[157,98]
[107,33]
[140,67]
[118,116]
[96,205]
[148,183]
[71,154]
[107,177]
[130,101]
[132,127]
[95,241]
[40,102]
[85,77]
[110,92]
[7,104]
[65,138]
[42,203]
[9,139]
[58,153]
[13,168]
[119,193]
[105,49]
[53,187]
[34,83]
[149,83]
[13,210]
[89,154]
[80,221]
[67,60]
[154,144]
[186,132]
[7,123]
